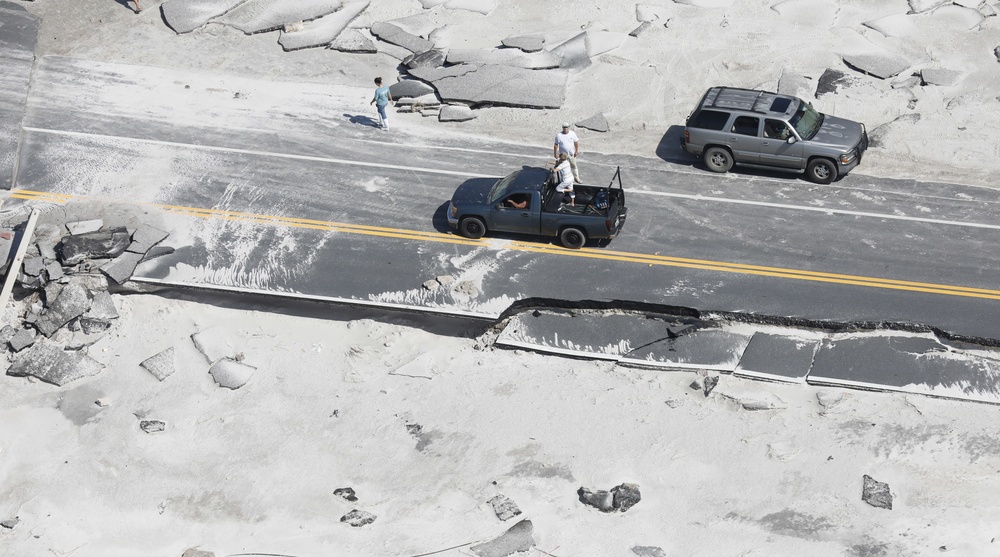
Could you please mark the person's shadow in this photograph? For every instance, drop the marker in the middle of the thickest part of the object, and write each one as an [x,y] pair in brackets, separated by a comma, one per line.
[128,4]
[362,120]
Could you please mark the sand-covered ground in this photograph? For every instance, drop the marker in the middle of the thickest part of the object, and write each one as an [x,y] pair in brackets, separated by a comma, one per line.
[426,422]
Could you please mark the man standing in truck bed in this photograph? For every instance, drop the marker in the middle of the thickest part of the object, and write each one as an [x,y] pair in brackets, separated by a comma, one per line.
[567,142]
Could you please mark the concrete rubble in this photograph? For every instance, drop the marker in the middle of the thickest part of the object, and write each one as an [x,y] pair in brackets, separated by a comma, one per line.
[230,373]
[67,300]
[347,493]
[152,426]
[503,507]
[648,551]
[161,365]
[358,518]
[876,493]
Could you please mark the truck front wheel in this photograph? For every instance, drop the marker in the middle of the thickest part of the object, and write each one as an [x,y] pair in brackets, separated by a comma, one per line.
[572,237]
[472,227]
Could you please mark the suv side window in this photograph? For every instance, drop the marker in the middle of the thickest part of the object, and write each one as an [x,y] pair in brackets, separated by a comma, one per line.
[746,125]
[710,120]
[776,129]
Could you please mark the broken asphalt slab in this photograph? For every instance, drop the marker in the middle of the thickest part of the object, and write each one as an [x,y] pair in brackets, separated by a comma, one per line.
[392,34]
[777,358]
[633,338]
[260,16]
[909,364]
[102,244]
[184,16]
[877,360]
[325,30]
[50,363]
[505,86]
[71,303]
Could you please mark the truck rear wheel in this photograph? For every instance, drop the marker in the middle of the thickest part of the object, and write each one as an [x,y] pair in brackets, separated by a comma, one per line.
[718,159]
[472,227]
[572,237]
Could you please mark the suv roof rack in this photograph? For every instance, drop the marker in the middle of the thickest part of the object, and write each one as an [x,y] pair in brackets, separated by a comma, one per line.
[743,99]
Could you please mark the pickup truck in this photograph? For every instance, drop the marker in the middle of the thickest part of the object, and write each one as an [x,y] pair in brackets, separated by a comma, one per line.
[526,202]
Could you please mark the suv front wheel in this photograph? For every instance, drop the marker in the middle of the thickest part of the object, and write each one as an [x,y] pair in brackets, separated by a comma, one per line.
[718,159]
[821,171]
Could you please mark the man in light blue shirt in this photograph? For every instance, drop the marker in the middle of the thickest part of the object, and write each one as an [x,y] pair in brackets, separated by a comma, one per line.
[381,100]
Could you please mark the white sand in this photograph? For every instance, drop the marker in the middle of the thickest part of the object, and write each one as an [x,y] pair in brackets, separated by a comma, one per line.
[253,470]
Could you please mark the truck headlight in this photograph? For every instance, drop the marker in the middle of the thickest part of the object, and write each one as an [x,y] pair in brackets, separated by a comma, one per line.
[452,210]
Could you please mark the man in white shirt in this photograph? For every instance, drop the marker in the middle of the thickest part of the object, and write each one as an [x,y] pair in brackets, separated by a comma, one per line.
[567,142]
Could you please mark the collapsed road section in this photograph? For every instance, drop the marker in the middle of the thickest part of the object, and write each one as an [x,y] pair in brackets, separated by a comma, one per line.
[71,267]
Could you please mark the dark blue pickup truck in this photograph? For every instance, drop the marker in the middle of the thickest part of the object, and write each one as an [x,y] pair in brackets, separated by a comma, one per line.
[526,202]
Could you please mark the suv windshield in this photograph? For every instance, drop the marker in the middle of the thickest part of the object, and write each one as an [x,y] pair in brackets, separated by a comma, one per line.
[806,121]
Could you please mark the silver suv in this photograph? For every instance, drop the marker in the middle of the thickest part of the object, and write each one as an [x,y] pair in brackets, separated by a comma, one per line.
[740,126]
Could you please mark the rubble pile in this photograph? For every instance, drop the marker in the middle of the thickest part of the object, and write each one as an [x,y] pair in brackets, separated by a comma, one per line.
[64,281]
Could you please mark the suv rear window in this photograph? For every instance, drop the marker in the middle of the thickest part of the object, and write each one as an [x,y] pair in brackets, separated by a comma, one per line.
[710,120]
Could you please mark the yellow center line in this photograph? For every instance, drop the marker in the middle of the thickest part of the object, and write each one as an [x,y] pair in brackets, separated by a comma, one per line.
[607,255]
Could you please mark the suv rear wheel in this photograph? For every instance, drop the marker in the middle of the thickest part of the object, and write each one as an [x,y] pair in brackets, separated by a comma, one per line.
[718,159]
[821,171]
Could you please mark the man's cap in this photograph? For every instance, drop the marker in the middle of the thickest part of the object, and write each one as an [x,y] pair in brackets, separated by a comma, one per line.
[565,124]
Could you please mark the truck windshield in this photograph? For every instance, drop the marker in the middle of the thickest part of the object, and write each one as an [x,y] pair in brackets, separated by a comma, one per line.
[806,121]
[500,187]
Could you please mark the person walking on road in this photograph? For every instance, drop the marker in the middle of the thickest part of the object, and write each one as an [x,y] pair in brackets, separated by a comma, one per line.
[567,142]
[381,100]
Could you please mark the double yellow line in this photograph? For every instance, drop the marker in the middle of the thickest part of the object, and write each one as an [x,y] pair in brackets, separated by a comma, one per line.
[603,254]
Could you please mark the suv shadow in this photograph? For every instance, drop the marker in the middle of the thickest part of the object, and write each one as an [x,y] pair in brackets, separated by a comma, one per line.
[669,148]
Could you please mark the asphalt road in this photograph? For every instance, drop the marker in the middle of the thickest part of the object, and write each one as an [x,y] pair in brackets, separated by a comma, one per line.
[302,197]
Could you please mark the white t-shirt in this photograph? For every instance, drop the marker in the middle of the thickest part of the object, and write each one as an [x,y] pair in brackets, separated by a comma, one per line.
[566,142]
[565,177]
